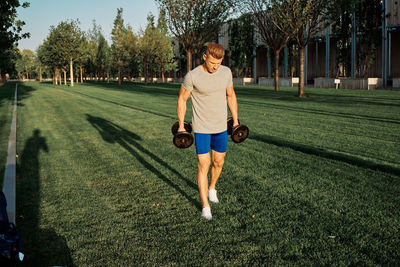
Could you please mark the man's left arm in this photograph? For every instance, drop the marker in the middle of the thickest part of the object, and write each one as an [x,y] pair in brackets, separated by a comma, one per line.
[232,104]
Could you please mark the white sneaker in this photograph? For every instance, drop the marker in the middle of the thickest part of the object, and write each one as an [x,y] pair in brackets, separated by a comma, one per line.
[206,213]
[212,195]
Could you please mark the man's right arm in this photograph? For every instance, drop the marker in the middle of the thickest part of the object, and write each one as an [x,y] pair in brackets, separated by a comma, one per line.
[181,107]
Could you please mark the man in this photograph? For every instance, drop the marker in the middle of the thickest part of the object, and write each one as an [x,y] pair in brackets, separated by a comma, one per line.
[211,88]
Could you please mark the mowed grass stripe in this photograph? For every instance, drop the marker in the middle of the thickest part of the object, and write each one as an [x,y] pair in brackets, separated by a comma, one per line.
[353,137]
[6,110]
[113,190]
[77,144]
[349,130]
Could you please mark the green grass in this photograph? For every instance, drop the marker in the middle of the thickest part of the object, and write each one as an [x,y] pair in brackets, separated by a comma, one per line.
[7,93]
[101,184]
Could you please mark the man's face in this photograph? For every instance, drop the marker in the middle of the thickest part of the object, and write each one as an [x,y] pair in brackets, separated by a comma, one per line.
[211,64]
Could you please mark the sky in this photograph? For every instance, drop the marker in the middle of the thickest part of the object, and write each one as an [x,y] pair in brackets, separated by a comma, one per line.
[44,13]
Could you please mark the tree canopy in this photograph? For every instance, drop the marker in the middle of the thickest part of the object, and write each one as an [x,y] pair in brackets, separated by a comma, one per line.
[10,33]
[195,22]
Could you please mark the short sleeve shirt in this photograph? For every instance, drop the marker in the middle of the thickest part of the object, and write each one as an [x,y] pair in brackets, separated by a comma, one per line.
[209,104]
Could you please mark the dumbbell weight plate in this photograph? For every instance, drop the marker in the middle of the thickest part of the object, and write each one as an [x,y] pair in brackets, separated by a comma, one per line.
[183,140]
[175,127]
[240,133]
[230,125]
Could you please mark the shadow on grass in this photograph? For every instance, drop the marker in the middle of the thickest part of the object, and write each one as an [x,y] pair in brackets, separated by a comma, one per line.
[123,105]
[113,133]
[42,247]
[321,112]
[326,154]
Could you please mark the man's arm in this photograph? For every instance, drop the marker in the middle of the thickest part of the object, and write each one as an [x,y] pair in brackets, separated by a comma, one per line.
[181,107]
[232,104]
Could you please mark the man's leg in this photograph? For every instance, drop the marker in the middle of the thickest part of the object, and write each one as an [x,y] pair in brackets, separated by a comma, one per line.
[202,177]
[217,164]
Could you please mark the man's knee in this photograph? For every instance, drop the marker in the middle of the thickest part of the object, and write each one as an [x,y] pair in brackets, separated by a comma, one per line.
[204,162]
[218,162]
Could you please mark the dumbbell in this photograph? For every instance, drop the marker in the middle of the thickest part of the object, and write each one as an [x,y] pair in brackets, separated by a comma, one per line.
[182,139]
[239,133]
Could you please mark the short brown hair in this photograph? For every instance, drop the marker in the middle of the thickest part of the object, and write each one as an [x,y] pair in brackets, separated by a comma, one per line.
[215,50]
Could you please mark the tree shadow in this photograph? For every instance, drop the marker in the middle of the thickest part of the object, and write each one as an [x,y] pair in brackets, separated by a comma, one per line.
[321,112]
[113,133]
[42,247]
[123,105]
[326,154]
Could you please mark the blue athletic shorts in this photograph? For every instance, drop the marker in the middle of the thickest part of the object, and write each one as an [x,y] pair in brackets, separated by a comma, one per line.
[217,142]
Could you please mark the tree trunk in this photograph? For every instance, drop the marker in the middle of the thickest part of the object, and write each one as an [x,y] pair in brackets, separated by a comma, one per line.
[119,76]
[145,71]
[198,60]
[162,75]
[189,60]
[40,74]
[80,68]
[55,76]
[365,67]
[151,74]
[71,72]
[2,78]
[65,77]
[108,77]
[276,78]
[301,76]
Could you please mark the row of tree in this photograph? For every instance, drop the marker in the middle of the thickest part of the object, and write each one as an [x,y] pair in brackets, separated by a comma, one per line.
[69,50]
[280,23]
[193,23]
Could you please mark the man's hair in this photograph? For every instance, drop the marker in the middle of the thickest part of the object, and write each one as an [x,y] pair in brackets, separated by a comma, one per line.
[215,50]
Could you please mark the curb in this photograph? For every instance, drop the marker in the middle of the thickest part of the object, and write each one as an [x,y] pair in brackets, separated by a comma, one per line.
[10,171]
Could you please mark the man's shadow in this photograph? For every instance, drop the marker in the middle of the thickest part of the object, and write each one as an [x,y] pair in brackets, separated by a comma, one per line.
[42,247]
[114,133]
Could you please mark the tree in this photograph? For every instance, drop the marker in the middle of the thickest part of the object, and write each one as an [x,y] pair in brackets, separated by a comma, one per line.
[103,57]
[10,33]
[119,52]
[300,19]
[148,45]
[70,47]
[132,48]
[274,36]
[62,48]
[241,44]
[195,22]
[88,61]
[340,19]
[25,64]
[165,53]
[48,54]
[40,69]
[368,15]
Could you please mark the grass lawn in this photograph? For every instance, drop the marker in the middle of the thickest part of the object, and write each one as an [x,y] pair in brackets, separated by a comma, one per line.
[7,94]
[101,184]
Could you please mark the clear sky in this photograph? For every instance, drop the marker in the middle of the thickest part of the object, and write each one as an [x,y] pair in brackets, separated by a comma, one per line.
[43,13]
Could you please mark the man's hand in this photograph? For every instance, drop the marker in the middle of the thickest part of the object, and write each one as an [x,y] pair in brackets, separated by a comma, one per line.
[181,128]
[235,123]
[181,107]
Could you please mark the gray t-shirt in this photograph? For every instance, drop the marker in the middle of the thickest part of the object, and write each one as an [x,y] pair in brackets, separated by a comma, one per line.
[208,91]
